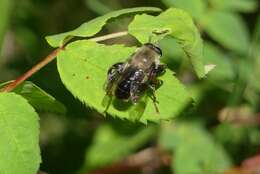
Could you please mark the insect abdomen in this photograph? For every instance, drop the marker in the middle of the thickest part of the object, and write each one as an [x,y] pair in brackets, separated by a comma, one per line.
[123,90]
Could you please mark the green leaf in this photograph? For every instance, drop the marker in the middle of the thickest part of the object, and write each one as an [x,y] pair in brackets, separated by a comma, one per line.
[194,149]
[180,26]
[38,98]
[94,26]
[83,69]
[110,145]
[5,8]
[231,134]
[234,5]
[195,7]
[167,45]
[19,129]
[224,69]
[228,29]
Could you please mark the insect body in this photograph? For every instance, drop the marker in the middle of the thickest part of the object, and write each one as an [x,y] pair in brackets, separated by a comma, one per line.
[131,79]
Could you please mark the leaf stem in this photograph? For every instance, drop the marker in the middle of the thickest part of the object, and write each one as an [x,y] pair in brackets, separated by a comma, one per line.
[109,36]
[9,87]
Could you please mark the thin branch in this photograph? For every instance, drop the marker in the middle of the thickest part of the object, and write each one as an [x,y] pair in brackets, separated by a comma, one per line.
[29,73]
[9,87]
[109,36]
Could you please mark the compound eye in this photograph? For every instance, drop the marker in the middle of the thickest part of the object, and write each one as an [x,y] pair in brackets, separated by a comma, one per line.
[158,50]
[154,48]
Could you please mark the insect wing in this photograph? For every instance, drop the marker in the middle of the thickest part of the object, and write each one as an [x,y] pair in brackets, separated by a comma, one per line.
[113,75]
[106,102]
[137,110]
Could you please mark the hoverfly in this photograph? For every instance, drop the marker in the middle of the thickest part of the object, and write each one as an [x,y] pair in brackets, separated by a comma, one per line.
[128,81]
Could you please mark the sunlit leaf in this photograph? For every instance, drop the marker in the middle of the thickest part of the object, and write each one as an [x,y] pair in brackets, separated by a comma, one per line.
[92,27]
[83,69]
[180,26]
[19,129]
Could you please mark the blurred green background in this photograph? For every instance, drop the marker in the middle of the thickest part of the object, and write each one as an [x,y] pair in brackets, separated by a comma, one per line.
[218,135]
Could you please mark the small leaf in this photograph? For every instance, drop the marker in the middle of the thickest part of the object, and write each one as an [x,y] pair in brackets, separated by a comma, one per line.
[228,29]
[19,129]
[180,26]
[234,5]
[83,69]
[209,68]
[94,26]
[194,7]
[38,98]
[110,145]
[194,149]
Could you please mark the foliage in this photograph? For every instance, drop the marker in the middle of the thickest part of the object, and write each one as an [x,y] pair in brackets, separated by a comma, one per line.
[107,138]
[180,27]
[38,98]
[188,141]
[94,26]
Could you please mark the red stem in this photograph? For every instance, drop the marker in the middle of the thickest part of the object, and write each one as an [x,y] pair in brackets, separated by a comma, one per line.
[30,72]
[51,57]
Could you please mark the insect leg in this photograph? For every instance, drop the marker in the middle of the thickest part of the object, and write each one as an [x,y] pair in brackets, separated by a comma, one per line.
[159,70]
[154,99]
[155,72]
[137,86]
[156,83]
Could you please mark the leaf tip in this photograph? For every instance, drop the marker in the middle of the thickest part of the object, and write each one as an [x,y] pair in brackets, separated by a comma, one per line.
[208,68]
